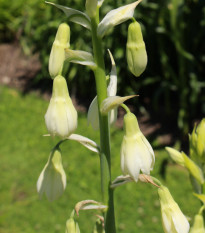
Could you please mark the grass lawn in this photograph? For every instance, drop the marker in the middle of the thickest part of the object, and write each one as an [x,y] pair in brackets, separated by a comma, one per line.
[24,152]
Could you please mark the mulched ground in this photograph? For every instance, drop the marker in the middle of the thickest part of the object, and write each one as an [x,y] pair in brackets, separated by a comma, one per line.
[18,71]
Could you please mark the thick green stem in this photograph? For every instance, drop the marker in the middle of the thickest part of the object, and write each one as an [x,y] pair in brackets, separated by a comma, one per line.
[105,160]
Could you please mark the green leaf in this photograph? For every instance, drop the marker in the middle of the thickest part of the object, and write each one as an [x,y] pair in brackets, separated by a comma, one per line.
[74,15]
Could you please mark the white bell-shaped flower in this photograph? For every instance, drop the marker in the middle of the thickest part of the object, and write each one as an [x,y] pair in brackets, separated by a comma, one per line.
[136,152]
[61,116]
[173,220]
[52,180]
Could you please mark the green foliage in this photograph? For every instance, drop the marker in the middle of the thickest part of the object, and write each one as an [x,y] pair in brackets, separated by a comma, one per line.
[173,32]
[24,152]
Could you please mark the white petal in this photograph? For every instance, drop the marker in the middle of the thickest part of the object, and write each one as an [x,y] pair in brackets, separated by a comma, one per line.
[115,17]
[180,222]
[93,117]
[112,87]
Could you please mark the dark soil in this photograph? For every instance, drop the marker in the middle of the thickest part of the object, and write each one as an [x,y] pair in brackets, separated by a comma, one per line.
[19,71]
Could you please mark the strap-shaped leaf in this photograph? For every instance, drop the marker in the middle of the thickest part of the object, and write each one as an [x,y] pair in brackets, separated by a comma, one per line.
[88,143]
[112,102]
[115,17]
[80,57]
[74,15]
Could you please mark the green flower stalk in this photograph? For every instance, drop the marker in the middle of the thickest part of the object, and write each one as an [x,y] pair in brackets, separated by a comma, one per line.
[135,50]
[136,152]
[57,55]
[173,220]
[52,180]
[91,7]
[61,116]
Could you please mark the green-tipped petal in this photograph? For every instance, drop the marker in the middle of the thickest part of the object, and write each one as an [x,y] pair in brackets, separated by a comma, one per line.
[61,116]
[173,220]
[136,152]
[52,180]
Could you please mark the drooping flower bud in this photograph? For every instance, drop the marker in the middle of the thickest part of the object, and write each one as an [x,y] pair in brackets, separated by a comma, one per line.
[72,226]
[173,219]
[198,226]
[52,180]
[57,55]
[136,152]
[201,138]
[135,50]
[61,116]
[98,227]
[91,7]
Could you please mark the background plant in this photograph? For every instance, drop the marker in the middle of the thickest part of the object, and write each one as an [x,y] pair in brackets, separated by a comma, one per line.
[173,32]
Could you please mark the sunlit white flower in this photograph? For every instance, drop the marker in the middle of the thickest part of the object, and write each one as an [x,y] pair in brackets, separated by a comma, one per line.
[173,219]
[52,180]
[136,152]
[61,116]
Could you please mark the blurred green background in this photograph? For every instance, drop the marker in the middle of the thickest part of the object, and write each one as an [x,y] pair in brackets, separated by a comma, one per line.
[172,86]
[24,152]
[172,89]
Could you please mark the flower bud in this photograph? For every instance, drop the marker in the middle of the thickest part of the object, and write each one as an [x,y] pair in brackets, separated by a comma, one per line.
[52,179]
[136,152]
[57,55]
[173,219]
[72,226]
[61,116]
[176,156]
[198,226]
[201,138]
[98,227]
[193,168]
[135,50]
[197,142]
[91,7]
